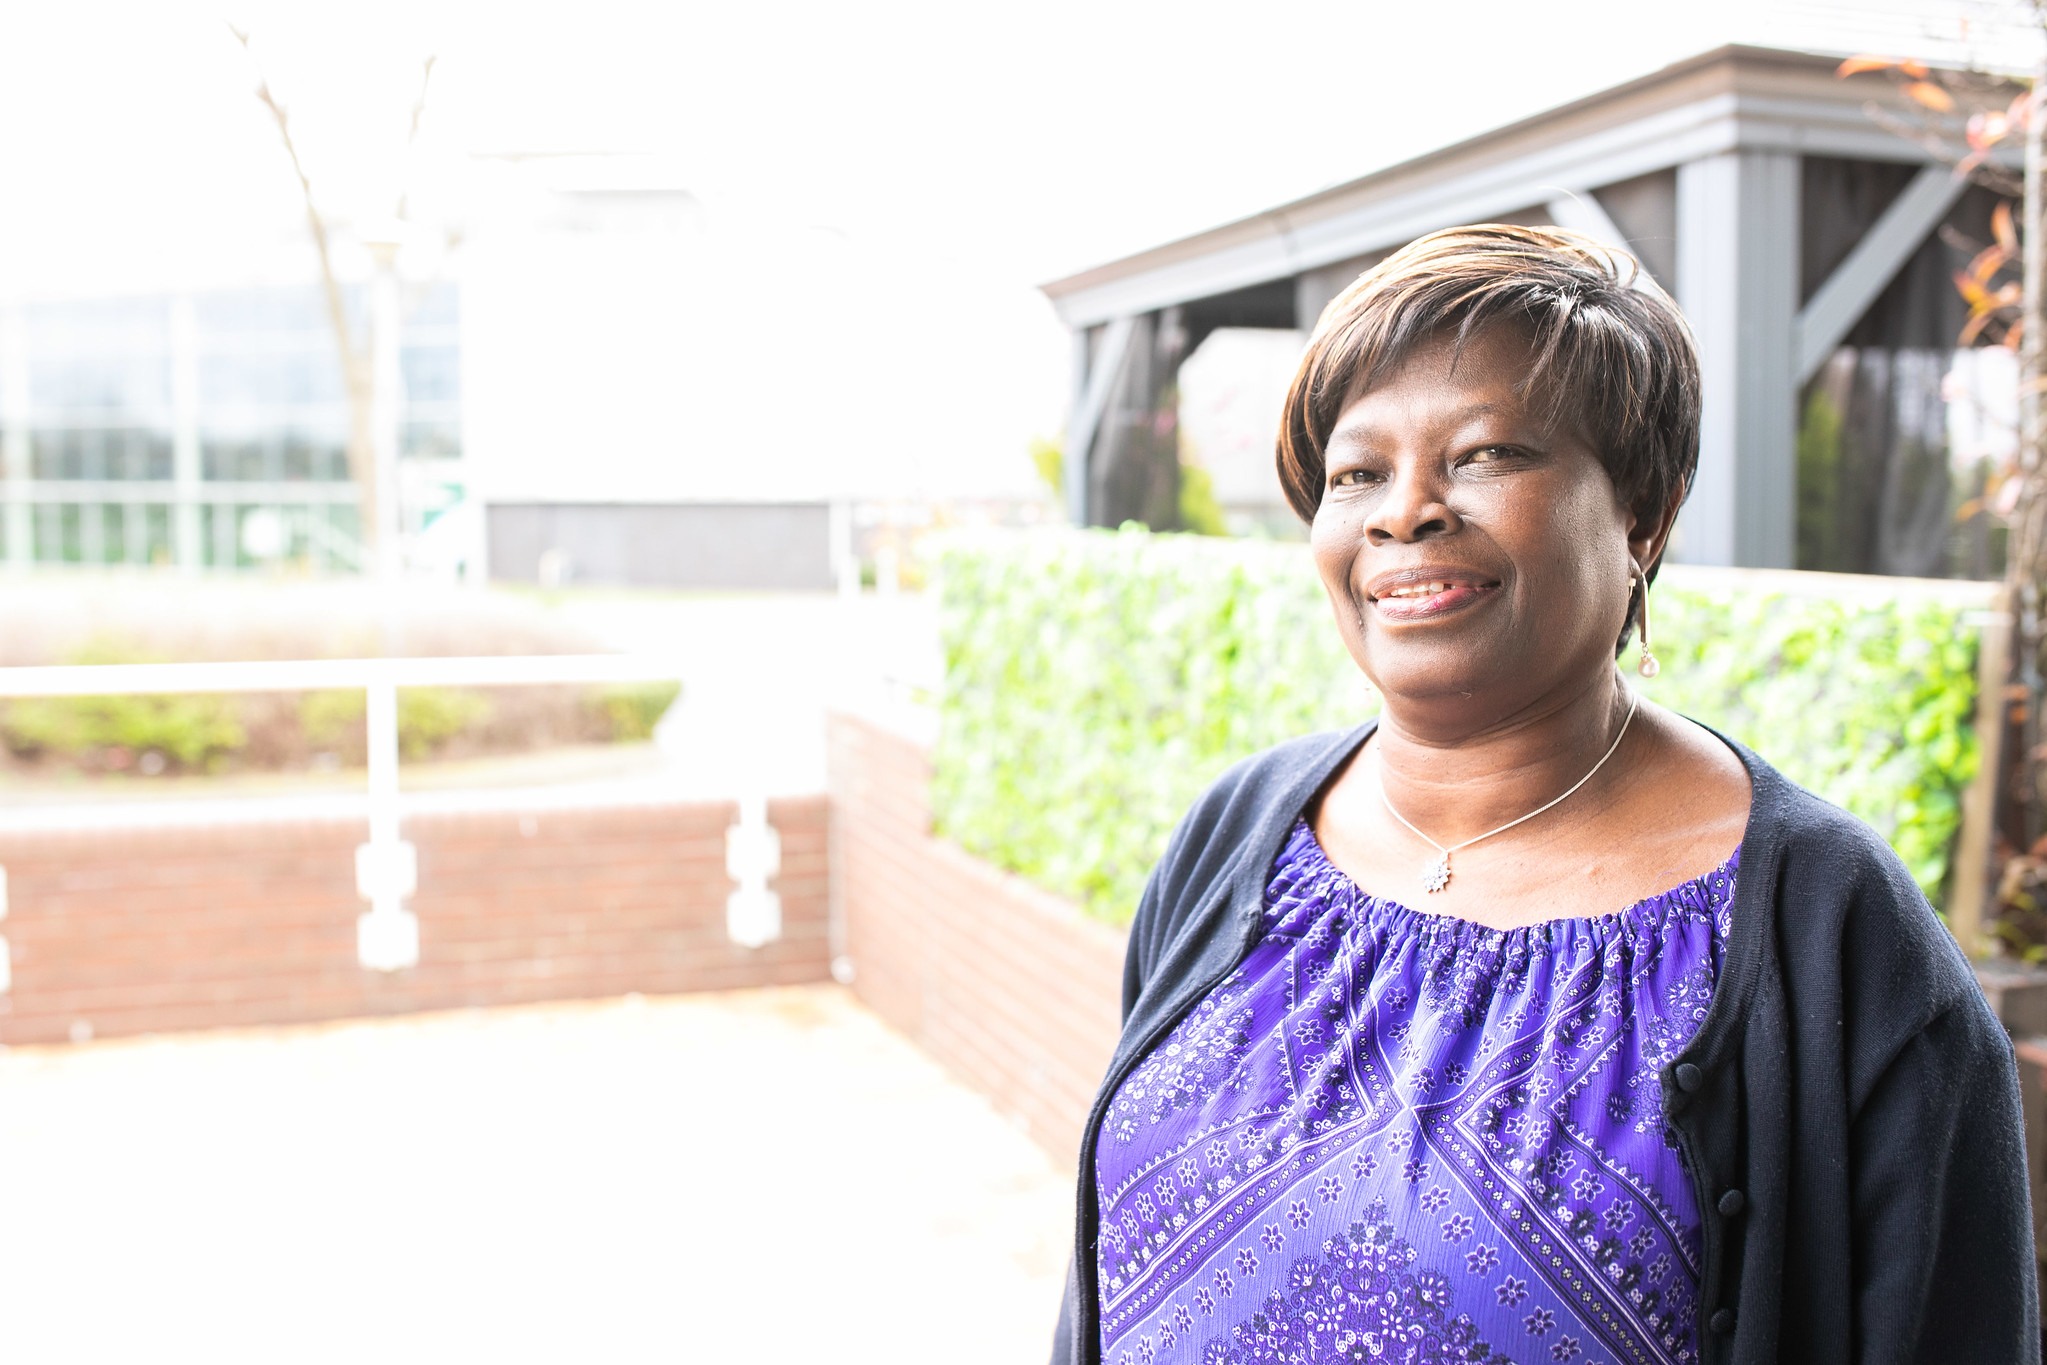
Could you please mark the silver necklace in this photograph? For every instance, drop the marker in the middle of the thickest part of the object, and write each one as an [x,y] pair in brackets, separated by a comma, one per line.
[1436,875]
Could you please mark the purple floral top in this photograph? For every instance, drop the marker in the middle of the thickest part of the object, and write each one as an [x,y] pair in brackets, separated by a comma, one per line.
[1393,1136]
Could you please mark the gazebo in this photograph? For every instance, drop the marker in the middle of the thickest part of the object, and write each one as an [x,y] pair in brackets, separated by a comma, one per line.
[1810,245]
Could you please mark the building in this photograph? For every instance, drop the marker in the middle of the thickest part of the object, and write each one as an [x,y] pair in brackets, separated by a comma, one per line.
[608,382]
[609,315]
[1812,248]
[203,429]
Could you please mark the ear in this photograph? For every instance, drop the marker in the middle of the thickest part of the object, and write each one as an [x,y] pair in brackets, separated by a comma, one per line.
[1649,531]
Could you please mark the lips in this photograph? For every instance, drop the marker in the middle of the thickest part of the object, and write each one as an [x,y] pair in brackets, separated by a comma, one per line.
[1417,594]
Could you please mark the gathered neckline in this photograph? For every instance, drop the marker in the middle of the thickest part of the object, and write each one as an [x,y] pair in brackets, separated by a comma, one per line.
[1304,865]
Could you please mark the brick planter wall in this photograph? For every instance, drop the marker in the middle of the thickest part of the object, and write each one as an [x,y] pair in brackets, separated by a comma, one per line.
[135,930]
[1012,989]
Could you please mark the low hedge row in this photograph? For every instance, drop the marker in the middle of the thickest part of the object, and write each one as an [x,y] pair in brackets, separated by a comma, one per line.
[206,733]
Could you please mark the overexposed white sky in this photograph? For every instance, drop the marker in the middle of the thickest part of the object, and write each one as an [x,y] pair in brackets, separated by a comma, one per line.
[965,153]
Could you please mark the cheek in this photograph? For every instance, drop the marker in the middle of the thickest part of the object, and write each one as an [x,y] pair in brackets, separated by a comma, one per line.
[1580,544]
[1333,545]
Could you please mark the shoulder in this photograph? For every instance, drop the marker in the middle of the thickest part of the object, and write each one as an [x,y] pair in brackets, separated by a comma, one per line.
[1804,845]
[1251,789]
[1852,926]
[1252,804]
[1824,849]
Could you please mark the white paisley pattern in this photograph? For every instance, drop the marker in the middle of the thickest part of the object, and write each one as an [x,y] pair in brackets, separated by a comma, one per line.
[1390,1136]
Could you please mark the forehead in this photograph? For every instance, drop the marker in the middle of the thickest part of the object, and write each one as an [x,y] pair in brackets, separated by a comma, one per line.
[1485,374]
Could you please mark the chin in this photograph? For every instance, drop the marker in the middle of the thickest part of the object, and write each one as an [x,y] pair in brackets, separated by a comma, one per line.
[1422,673]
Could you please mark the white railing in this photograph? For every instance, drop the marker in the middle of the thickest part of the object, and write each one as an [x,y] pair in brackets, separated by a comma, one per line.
[387,867]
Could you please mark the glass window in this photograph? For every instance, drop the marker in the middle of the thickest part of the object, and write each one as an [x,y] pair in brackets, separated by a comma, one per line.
[158,531]
[438,306]
[95,452]
[105,358]
[433,374]
[109,385]
[441,440]
[70,533]
[272,407]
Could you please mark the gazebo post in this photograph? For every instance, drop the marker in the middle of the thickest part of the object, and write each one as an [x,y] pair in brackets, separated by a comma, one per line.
[1737,280]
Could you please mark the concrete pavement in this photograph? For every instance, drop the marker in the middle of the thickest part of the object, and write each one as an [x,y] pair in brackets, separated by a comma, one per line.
[768,1176]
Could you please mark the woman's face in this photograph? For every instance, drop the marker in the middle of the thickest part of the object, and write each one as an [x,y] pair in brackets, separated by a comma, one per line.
[1471,551]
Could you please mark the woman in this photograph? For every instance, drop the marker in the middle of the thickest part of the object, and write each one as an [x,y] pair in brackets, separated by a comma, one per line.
[1533,1022]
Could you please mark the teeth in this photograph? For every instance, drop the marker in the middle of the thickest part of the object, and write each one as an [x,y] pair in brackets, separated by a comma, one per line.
[1420,590]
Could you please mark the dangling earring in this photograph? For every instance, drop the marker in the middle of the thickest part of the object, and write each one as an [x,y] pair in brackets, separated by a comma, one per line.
[1648,668]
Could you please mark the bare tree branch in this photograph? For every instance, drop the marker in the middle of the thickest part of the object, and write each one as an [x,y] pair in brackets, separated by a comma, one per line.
[1980,171]
[357,375]
[426,76]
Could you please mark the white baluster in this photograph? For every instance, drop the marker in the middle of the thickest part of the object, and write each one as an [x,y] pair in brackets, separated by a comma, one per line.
[386,868]
[753,855]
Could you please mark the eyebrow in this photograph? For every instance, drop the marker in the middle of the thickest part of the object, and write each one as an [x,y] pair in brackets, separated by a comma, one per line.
[1463,414]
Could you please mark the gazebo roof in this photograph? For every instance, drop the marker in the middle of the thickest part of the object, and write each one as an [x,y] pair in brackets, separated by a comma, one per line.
[1732,97]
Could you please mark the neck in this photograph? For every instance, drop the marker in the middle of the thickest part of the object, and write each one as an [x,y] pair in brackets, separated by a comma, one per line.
[1457,776]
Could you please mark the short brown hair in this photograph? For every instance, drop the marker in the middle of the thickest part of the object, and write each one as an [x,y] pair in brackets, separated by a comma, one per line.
[1611,350]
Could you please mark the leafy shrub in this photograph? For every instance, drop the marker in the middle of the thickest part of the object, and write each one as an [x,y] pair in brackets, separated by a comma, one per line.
[145,621]
[428,717]
[1095,682]
[333,719]
[189,732]
[632,710]
[1867,703]
[1199,510]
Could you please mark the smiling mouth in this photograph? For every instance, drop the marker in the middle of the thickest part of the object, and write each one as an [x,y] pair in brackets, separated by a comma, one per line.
[1414,601]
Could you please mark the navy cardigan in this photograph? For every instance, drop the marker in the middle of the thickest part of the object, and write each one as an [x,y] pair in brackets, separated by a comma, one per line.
[1848,1113]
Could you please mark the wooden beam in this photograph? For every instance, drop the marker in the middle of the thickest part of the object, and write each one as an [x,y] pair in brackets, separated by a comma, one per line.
[1103,372]
[1583,213]
[1969,885]
[1875,261]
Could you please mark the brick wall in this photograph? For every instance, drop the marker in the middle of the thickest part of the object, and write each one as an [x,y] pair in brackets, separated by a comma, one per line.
[135,930]
[156,928]
[1012,989]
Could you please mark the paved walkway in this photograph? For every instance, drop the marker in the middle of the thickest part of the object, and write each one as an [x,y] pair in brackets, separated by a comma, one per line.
[762,1176]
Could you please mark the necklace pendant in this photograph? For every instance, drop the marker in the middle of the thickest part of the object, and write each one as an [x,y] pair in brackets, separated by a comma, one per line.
[1436,875]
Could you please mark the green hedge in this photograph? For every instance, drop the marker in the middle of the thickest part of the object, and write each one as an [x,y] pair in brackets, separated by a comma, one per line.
[190,732]
[208,732]
[1866,701]
[1095,682]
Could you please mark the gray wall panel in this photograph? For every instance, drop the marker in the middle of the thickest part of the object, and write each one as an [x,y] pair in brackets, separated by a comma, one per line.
[671,545]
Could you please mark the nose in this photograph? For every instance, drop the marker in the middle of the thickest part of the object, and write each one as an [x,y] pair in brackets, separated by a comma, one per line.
[1413,509]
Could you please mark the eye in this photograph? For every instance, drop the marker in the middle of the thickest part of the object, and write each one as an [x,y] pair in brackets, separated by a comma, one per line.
[1351,478]
[1488,454]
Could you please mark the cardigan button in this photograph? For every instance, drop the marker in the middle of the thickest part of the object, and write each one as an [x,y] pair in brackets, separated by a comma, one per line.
[1722,1322]
[1731,1203]
[1689,1077]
